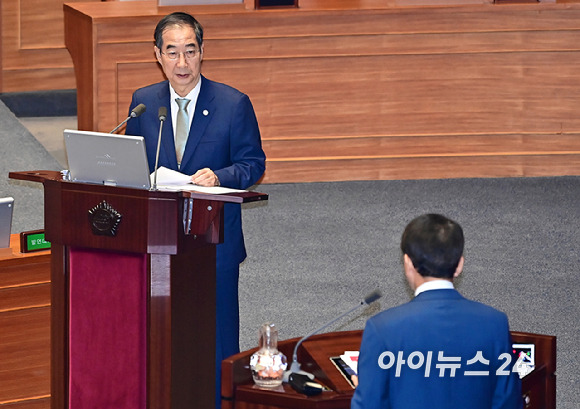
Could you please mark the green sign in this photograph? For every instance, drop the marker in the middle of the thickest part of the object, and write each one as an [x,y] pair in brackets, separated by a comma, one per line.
[36,242]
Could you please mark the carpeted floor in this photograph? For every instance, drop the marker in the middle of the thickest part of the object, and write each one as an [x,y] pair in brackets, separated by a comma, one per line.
[20,152]
[316,249]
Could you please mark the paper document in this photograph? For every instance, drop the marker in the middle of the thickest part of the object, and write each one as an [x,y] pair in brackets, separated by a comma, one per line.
[168,179]
[351,359]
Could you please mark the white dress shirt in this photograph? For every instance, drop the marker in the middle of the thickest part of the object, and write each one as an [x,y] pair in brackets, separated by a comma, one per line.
[434,285]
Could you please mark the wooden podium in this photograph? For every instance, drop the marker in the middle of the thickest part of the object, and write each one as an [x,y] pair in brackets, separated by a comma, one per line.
[133,294]
[239,391]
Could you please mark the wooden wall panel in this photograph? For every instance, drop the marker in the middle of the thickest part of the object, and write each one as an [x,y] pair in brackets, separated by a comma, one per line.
[409,94]
[25,355]
[33,56]
[40,29]
[498,84]
[469,74]
[24,329]
[420,146]
[421,167]
[42,403]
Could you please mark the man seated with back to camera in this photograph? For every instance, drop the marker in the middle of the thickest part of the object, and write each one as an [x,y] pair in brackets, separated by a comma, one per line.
[440,350]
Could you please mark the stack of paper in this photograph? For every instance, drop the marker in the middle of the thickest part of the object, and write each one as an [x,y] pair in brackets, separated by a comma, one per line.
[168,179]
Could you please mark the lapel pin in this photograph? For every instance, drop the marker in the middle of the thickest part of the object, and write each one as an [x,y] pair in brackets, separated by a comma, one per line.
[205,112]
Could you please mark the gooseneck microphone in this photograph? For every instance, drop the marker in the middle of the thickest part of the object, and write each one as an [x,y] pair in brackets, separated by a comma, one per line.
[162,113]
[135,112]
[295,366]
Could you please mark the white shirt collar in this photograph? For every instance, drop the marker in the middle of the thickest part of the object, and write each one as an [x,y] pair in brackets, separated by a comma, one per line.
[193,94]
[434,285]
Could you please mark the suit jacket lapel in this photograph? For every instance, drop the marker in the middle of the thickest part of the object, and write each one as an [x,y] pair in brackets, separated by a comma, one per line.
[201,118]
[167,138]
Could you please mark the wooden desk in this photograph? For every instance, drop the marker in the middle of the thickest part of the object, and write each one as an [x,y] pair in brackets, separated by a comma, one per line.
[24,328]
[239,391]
[364,90]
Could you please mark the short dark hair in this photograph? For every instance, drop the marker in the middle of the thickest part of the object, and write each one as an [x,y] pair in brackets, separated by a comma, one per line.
[434,244]
[178,19]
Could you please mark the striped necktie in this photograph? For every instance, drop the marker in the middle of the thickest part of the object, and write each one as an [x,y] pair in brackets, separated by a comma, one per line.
[181,128]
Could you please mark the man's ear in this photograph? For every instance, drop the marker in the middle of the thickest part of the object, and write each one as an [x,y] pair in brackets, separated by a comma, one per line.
[410,271]
[407,263]
[157,53]
[459,268]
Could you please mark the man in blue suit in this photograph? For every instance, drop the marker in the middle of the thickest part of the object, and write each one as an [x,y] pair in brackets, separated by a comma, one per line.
[440,350]
[221,147]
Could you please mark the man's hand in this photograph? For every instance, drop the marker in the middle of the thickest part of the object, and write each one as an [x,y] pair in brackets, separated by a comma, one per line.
[205,177]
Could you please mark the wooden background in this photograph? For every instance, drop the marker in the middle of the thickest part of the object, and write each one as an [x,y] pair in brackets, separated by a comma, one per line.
[24,329]
[343,90]
[33,55]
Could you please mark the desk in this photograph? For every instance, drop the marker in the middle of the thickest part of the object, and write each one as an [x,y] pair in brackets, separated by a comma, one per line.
[24,327]
[239,391]
[363,90]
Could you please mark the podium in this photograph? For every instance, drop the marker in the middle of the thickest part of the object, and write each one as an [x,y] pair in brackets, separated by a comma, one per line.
[133,293]
[239,391]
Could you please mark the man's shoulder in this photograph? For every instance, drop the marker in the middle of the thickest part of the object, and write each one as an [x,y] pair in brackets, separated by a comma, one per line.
[393,315]
[485,307]
[424,304]
[152,89]
[220,89]
[484,310]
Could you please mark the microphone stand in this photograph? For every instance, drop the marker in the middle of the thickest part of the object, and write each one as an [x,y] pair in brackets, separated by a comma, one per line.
[138,110]
[121,124]
[162,117]
[295,366]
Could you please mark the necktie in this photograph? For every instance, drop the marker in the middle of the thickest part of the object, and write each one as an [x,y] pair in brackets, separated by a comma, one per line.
[181,128]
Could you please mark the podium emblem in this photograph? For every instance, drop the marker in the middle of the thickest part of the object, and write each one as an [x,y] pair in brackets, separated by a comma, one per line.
[104,219]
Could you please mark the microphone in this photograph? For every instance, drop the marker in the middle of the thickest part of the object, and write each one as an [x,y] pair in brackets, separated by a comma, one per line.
[135,112]
[295,366]
[162,117]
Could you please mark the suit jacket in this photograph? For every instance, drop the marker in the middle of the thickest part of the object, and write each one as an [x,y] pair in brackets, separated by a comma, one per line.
[437,321]
[224,136]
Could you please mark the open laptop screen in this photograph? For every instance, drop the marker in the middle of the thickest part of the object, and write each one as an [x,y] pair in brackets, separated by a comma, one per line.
[6,209]
[103,158]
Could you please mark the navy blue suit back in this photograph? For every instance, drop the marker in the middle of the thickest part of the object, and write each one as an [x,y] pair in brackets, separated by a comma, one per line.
[435,342]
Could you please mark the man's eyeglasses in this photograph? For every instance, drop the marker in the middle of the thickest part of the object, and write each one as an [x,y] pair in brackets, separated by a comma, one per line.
[188,54]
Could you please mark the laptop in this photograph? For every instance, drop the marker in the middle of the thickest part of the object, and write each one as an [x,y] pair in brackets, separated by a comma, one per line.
[107,159]
[6,210]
